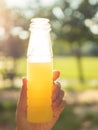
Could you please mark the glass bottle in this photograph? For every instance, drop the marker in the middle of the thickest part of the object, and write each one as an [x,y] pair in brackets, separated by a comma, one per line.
[39,72]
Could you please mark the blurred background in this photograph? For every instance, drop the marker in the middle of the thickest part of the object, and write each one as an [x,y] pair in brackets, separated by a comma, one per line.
[75,47]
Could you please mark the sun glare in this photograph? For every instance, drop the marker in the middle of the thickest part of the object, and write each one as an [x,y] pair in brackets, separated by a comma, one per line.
[2,32]
[23,3]
[14,3]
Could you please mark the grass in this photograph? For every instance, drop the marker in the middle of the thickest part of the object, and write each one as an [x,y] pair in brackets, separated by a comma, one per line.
[7,115]
[68,120]
[69,72]
[68,67]
[21,66]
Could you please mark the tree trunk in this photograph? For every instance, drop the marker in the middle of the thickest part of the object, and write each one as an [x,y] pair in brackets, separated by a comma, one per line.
[79,64]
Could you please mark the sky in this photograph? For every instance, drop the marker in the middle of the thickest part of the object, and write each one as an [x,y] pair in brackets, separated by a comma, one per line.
[22,3]
[73,3]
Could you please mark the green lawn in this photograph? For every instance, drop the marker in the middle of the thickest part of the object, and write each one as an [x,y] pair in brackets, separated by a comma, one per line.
[68,120]
[69,67]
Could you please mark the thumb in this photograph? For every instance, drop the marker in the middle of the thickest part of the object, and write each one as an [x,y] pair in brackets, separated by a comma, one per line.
[56,74]
[23,95]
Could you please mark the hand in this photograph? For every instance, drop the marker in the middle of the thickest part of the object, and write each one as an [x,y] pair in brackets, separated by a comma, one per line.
[57,105]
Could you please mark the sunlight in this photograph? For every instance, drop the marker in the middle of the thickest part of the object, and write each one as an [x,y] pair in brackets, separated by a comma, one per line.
[58,12]
[74,3]
[15,3]
[18,31]
[2,32]
[47,2]
[24,35]
[88,22]
[23,3]
[92,24]
[93,2]
[94,29]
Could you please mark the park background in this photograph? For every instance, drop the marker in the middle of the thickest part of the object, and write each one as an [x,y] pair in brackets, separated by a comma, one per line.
[74,37]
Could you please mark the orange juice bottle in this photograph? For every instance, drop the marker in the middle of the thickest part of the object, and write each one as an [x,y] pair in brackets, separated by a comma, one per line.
[39,72]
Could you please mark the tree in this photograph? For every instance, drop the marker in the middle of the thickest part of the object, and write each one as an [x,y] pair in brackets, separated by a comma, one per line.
[10,45]
[72,23]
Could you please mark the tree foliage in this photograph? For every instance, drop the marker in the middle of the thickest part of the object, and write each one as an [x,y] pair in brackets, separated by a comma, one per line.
[71,21]
[71,26]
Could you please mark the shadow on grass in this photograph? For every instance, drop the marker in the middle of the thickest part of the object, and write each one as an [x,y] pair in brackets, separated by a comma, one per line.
[7,115]
[69,119]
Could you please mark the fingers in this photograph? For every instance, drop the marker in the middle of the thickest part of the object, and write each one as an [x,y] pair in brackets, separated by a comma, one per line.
[58,104]
[56,74]
[58,99]
[60,108]
[56,90]
[24,90]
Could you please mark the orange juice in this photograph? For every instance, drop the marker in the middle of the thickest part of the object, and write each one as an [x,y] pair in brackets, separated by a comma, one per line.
[39,91]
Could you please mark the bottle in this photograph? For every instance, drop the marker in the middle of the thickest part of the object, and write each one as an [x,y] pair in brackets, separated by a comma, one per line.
[39,72]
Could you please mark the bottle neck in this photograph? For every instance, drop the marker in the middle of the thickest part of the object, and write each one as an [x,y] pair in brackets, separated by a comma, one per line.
[39,48]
